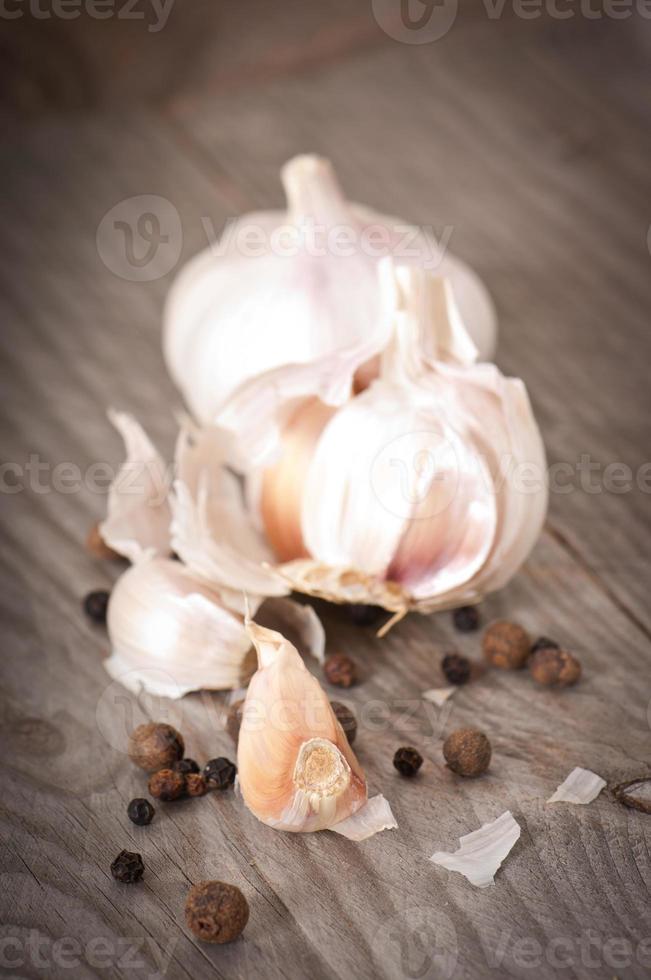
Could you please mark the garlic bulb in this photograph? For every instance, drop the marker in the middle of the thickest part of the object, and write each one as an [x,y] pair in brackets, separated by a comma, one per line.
[297,771]
[424,491]
[171,633]
[305,292]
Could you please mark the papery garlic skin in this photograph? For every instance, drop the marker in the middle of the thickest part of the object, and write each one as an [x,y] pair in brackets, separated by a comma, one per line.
[297,771]
[138,510]
[231,317]
[171,633]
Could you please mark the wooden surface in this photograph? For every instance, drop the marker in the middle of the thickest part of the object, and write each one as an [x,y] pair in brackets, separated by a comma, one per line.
[530,138]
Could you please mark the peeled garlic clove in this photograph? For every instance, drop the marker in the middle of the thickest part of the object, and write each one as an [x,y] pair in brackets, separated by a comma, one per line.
[297,771]
[138,513]
[163,621]
[231,317]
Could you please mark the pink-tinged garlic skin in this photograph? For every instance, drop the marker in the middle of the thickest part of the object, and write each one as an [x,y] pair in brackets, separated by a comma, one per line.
[296,769]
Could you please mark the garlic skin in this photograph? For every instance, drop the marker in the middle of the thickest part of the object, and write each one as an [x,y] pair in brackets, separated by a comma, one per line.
[138,510]
[407,495]
[231,317]
[296,770]
[171,633]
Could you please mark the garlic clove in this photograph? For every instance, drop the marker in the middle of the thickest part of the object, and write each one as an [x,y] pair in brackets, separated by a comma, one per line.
[164,622]
[138,514]
[231,317]
[296,769]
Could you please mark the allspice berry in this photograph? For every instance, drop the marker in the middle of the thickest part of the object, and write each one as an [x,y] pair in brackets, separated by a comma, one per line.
[216,912]
[467,752]
[554,668]
[234,720]
[195,784]
[167,785]
[155,746]
[340,670]
[346,719]
[506,645]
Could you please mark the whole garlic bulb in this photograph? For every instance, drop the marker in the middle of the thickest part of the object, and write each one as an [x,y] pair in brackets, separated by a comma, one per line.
[308,292]
[296,770]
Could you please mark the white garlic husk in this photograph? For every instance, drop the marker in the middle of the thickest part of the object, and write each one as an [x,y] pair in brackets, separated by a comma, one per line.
[306,292]
[172,633]
[296,770]
[424,491]
[177,626]
[138,510]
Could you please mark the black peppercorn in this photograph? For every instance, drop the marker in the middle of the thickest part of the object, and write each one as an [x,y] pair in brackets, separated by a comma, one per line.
[346,719]
[407,761]
[216,912]
[466,619]
[544,643]
[96,604]
[456,668]
[365,615]
[140,811]
[186,766]
[167,785]
[220,773]
[127,867]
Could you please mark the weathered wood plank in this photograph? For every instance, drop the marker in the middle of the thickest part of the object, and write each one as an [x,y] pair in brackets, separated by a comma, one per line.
[532,191]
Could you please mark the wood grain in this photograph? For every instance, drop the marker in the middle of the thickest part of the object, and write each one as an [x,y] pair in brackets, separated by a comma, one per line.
[509,132]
